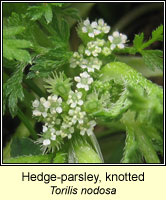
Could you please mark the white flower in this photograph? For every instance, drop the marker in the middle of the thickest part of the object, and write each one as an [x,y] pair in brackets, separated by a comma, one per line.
[94,47]
[36,113]
[83,81]
[59,110]
[46,142]
[117,40]
[77,115]
[35,103]
[74,99]
[45,128]
[95,28]
[46,104]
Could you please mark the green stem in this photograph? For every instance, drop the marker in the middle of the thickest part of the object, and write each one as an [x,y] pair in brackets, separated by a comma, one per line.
[25,120]
[35,88]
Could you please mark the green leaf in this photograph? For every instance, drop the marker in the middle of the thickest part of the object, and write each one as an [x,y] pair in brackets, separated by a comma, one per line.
[60,158]
[49,62]
[13,49]
[138,41]
[65,31]
[13,90]
[11,31]
[72,12]
[31,159]
[153,58]
[158,33]
[48,13]
[35,12]
[24,147]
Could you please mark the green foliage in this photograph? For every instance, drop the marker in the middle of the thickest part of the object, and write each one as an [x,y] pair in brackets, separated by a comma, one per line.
[13,48]
[36,12]
[153,58]
[13,90]
[144,123]
[48,62]
[36,45]
[31,159]
[82,152]
[24,147]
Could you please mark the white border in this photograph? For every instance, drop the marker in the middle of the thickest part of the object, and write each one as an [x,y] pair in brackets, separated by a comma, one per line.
[81,164]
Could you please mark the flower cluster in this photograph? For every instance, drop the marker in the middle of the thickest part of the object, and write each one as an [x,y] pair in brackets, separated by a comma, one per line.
[66,112]
[90,63]
[117,40]
[84,80]
[95,28]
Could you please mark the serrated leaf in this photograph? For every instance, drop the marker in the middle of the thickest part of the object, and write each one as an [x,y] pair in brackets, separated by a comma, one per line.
[13,90]
[24,147]
[72,12]
[35,12]
[65,31]
[49,62]
[48,13]
[153,58]
[138,41]
[11,31]
[31,159]
[158,33]
[13,49]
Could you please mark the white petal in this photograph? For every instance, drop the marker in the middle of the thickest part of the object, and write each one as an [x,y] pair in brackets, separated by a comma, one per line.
[96,32]
[82,132]
[94,24]
[115,34]
[73,105]
[84,75]
[91,35]
[42,100]
[86,22]
[83,66]
[46,104]
[80,102]
[79,85]
[52,131]
[59,100]
[46,142]
[45,129]
[36,113]
[87,52]
[59,109]
[110,38]
[71,129]
[124,38]
[44,114]
[54,98]
[90,80]
[84,29]
[69,136]
[86,87]
[53,137]
[112,46]
[71,112]
[77,78]
[106,29]
[35,103]
[120,46]
[79,95]
[101,22]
